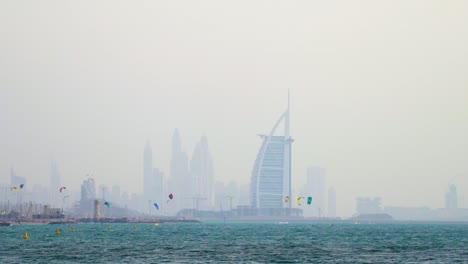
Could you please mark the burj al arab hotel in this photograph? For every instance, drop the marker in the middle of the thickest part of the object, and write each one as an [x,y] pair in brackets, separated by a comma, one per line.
[271,174]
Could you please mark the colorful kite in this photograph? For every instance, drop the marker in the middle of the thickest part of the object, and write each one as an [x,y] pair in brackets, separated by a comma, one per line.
[298,201]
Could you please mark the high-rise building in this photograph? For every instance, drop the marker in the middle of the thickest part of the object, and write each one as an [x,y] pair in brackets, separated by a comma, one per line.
[180,182]
[271,174]
[55,182]
[315,187]
[148,182]
[88,195]
[153,182]
[88,189]
[451,197]
[201,171]
[331,202]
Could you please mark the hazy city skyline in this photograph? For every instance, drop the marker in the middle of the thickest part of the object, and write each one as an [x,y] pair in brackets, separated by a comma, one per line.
[380,105]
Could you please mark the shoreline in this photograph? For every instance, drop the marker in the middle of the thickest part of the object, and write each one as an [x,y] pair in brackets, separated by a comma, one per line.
[251,220]
[99,221]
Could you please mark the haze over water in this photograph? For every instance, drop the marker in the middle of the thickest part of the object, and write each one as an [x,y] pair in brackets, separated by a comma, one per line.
[379,94]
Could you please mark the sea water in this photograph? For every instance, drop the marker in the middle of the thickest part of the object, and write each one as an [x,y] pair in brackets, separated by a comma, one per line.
[236,243]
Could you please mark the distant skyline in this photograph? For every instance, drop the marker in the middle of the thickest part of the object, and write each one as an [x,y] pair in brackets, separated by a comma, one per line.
[378,91]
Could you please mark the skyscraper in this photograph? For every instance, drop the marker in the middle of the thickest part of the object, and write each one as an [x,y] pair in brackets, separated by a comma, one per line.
[271,174]
[451,197]
[331,202]
[88,189]
[201,171]
[88,194]
[180,184]
[153,182]
[315,187]
[147,171]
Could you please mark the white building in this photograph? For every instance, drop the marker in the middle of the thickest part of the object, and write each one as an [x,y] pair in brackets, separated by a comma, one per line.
[271,175]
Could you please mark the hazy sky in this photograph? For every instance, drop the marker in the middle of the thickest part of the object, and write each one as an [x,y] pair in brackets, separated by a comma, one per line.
[379,90]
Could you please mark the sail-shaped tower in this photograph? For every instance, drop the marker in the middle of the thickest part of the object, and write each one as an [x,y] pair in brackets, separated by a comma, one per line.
[271,174]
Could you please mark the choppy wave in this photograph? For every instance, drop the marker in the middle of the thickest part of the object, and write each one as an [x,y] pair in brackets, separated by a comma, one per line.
[236,243]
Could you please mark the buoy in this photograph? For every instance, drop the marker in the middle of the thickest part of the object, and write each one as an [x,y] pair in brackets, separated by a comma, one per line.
[72,229]
[134,226]
[57,231]
[25,235]
[109,228]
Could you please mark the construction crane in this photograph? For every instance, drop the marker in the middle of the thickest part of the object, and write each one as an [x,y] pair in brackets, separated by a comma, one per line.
[197,199]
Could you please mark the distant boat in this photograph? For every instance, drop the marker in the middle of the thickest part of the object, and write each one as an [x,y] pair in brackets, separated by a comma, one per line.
[283,223]
[5,224]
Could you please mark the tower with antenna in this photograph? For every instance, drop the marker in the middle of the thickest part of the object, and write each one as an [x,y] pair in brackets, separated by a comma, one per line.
[271,176]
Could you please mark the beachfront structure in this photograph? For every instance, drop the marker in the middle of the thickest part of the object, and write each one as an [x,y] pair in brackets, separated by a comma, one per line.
[271,175]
